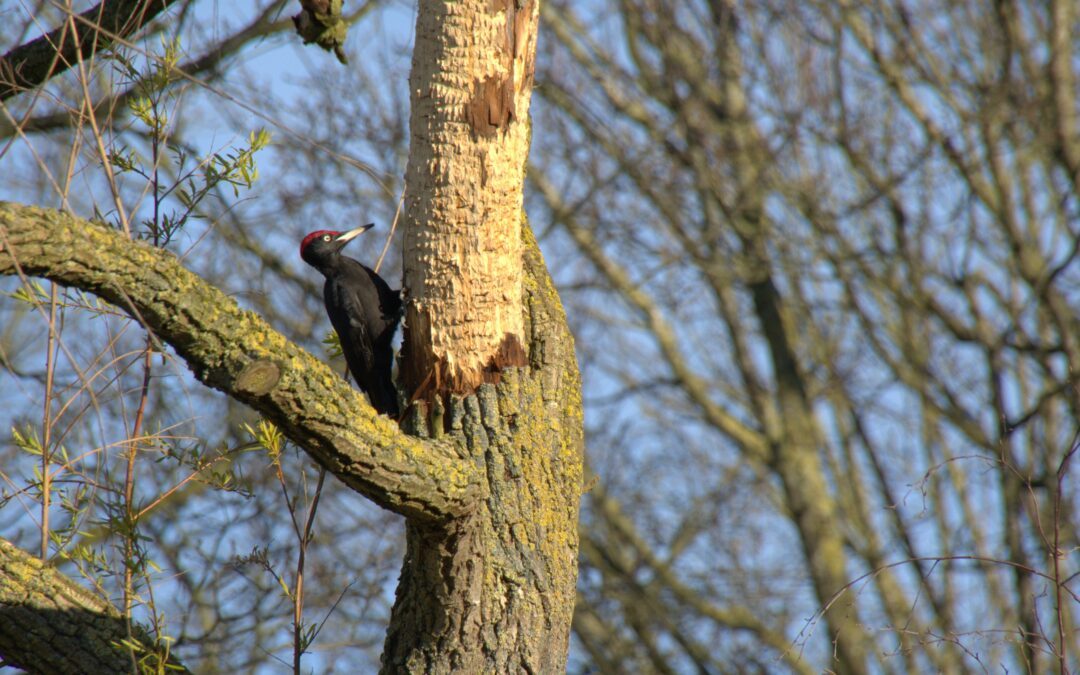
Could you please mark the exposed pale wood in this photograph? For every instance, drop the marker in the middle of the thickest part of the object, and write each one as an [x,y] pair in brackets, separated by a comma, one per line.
[494,591]
[470,89]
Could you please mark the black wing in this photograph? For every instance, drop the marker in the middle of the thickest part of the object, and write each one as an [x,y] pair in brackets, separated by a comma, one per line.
[365,311]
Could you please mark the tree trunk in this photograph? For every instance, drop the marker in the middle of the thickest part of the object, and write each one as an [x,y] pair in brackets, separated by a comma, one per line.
[489,578]
[492,591]
[470,88]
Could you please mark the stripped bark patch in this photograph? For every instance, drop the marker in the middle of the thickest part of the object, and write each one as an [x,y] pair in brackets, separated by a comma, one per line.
[524,43]
[510,354]
[491,107]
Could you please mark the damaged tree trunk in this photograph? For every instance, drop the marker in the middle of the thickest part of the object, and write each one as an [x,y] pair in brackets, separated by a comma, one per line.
[470,87]
[489,480]
[487,358]
[494,590]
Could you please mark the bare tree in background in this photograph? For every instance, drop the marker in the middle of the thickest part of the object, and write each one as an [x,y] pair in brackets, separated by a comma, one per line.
[840,242]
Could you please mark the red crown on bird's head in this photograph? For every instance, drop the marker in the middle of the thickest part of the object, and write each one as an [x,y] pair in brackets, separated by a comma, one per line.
[315,235]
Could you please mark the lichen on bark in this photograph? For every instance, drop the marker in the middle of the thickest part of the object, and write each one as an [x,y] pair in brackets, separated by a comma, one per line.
[49,624]
[489,579]
[493,591]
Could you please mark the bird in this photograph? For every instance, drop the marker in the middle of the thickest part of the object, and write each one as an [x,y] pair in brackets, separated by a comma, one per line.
[364,311]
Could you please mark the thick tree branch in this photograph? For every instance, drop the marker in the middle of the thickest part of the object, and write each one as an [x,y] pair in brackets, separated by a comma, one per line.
[30,65]
[236,352]
[49,624]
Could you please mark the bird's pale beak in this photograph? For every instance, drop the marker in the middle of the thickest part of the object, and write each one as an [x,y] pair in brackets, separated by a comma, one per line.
[346,237]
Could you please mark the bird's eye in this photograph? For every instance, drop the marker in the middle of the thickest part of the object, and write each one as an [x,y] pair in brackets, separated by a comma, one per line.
[326,237]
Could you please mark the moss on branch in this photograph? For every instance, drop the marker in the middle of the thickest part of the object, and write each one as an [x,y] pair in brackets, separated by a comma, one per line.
[237,352]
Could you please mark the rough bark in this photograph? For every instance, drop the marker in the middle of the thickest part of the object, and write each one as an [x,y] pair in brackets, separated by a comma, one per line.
[30,65]
[470,88]
[493,592]
[49,624]
[236,352]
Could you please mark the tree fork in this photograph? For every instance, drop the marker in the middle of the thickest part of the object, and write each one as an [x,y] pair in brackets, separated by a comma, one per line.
[494,590]
[236,352]
[498,499]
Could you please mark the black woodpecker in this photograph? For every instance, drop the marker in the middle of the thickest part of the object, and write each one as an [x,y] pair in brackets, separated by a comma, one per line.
[364,311]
